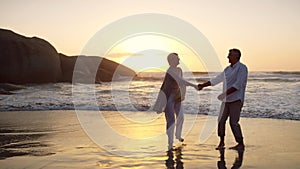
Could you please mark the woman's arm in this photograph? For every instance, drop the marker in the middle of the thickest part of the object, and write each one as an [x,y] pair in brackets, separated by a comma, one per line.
[179,79]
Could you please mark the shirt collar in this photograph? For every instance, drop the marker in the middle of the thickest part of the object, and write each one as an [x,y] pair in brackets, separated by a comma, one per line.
[236,64]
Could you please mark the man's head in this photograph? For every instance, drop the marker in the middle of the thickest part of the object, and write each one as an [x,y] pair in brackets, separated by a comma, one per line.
[234,56]
[173,59]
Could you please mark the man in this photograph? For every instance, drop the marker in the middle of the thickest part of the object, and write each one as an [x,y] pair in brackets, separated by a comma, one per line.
[234,78]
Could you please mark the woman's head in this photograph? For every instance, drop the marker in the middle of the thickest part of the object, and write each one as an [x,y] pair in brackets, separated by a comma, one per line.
[173,59]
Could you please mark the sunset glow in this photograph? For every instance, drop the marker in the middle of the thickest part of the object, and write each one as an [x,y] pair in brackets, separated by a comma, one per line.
[267,32]
[150,52]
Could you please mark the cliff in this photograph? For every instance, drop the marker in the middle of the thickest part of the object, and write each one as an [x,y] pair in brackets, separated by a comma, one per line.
[34,60]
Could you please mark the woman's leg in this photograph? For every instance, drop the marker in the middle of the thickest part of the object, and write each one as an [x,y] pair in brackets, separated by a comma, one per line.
[179,120]
[170,119]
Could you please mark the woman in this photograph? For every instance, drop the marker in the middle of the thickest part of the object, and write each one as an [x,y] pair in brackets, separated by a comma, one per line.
[170,97]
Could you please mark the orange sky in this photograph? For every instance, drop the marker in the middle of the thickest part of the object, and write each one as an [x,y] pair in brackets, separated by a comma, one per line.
[267,31]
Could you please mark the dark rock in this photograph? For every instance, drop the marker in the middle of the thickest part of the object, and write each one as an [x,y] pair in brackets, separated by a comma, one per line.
[27,60]
[92,69]
[34,60]
[67,64]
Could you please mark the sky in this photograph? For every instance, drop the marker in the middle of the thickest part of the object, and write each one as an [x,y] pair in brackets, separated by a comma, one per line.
[266,31]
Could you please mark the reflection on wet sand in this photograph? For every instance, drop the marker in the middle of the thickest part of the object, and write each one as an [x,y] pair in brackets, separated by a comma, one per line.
[172,163]
[55,139]
[21,143]
[237,163]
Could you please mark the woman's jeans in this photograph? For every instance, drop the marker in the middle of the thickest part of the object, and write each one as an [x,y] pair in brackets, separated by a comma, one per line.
[173,108]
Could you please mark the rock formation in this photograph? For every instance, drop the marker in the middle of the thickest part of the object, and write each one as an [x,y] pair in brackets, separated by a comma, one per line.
[34,60]
[27,60]
[88,67]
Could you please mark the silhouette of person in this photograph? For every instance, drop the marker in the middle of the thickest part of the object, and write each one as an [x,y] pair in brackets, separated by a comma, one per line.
[222,164]
[178,155]
[239,160]
[170,161]
[169,99]
[237,163]
[234,78]
[177,163]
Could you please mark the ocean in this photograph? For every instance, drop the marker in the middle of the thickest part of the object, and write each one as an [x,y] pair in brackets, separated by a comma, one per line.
[268,95]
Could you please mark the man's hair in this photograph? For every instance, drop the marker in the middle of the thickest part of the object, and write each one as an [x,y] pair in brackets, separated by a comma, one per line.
[237,51]
[171,56]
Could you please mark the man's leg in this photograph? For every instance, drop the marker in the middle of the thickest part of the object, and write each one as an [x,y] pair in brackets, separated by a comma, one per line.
[221,125]
[235,112]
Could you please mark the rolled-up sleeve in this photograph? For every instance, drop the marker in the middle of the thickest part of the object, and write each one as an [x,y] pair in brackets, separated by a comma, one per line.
[218,79]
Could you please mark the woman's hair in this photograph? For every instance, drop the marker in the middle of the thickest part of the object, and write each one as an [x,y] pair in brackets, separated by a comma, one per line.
[171,57]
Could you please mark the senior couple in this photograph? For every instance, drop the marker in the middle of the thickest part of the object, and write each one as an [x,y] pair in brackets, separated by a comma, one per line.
[234,78]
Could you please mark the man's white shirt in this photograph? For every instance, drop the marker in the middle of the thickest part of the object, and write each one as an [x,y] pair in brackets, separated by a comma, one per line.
[235,76]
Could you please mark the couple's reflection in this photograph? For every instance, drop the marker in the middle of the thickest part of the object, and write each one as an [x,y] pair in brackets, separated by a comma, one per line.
[237,163]
[172,163]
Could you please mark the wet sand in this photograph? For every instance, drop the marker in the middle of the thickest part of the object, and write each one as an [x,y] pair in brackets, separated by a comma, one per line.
[55,139]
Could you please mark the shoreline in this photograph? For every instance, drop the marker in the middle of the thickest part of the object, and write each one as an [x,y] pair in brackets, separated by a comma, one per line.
[198,114]
[50,139]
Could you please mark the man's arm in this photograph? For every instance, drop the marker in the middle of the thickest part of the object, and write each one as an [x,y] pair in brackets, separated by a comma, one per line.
[226,93]
[242,79]
[214,81]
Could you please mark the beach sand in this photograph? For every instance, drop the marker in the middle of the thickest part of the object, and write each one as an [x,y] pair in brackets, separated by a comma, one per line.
[55,139]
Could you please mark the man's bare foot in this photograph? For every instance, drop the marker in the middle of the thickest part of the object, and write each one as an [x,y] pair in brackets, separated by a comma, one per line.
[221,146]
[240,146]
